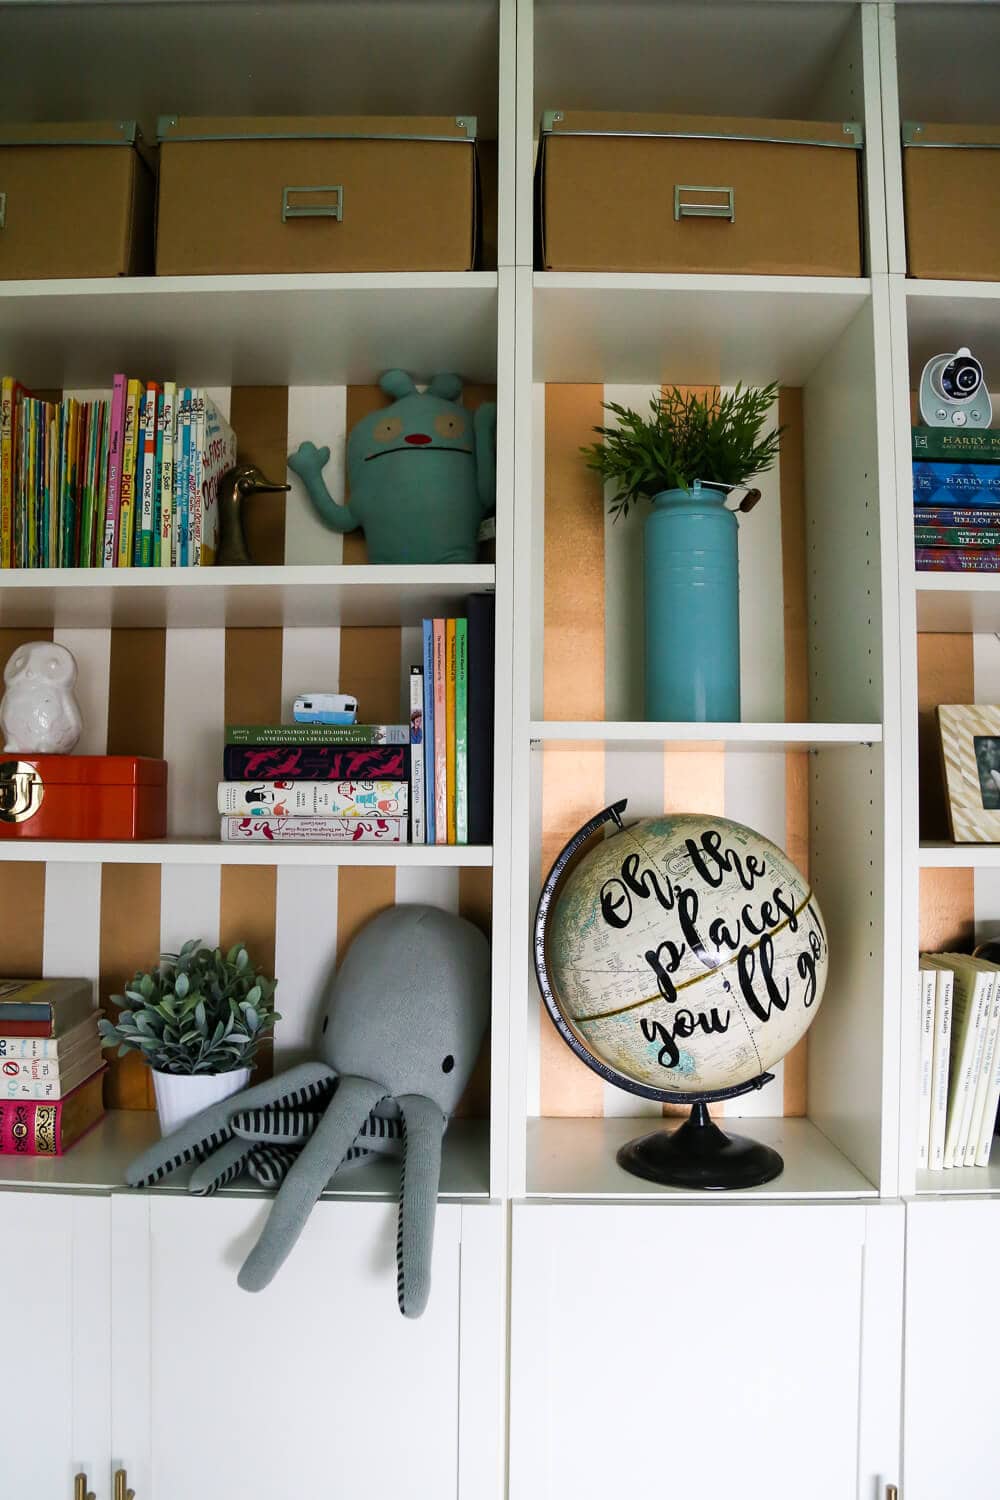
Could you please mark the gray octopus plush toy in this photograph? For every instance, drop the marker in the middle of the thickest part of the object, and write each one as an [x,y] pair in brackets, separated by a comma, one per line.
[401,1029]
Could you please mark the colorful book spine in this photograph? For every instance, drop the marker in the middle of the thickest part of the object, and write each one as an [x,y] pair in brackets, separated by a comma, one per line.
[951,515]
[29,1128]
[130,455]
[218,457]
[168,425]
[147,504]
[101,497]
[116,435]
[430,799]
[47,1078]
[946,444]
[34,1048]
[440,733]
[182,458]
[7,472]
[976,486]
[314,830]
[956,536]
[316,763]
[81,551]
[480,610]
[309,799]
[461,732]
[263,735]
[928,990]
[195,463]
[956,560]
[418,809]
[451,673]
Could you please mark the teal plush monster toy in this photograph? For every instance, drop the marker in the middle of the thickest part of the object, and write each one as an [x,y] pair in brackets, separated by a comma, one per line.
[422,474]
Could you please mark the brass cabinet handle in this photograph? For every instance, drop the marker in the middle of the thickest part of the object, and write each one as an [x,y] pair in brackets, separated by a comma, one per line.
[80,1490]
[891,1492]
[122,1491]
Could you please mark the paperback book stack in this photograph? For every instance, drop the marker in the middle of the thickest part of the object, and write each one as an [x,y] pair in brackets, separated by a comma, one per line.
[956,499]
[451,711]
[959,1060]
[127,481]
[316,783]
[51,1065]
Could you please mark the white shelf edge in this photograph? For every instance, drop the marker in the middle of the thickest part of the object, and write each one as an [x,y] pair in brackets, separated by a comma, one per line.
[212,852]
[326,281]
[553,733]
[945,856]
[623,281]
[285,577]
[957,583]
[971,289]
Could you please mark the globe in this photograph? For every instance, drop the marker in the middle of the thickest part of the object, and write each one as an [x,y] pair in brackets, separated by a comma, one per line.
[684,955]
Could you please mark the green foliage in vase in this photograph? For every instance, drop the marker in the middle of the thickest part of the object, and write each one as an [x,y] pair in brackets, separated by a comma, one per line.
[199,1011]
[686,438]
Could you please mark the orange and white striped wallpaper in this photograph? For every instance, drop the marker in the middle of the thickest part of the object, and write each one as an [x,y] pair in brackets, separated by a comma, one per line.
[591,668]
[169,693]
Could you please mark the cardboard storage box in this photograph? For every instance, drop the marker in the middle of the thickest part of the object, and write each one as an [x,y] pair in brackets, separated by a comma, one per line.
[317,194]
[82,797]
[951,187]
[638,192]
[75,200]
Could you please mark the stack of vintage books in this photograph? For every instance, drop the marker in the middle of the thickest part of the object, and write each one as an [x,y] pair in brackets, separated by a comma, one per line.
[956,499]
[316,783]
[51,1065]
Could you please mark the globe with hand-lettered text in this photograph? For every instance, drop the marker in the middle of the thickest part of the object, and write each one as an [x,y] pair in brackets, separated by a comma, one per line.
[684,954]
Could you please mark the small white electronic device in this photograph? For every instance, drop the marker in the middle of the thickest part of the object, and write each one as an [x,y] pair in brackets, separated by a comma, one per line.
[325,708]
[953,392]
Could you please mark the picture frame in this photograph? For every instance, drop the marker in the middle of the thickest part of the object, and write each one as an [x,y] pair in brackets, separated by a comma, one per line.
[970,757]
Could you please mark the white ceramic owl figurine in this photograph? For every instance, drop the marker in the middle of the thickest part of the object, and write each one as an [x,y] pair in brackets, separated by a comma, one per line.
[39,714]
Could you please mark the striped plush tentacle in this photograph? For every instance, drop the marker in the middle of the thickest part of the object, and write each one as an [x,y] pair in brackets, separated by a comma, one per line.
[223,1166]
[212,1128]
[423,1128]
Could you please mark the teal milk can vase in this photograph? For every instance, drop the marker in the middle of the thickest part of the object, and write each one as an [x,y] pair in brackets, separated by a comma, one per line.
[692,597]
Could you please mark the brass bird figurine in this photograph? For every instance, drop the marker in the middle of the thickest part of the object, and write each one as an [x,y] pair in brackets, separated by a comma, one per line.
[234,487]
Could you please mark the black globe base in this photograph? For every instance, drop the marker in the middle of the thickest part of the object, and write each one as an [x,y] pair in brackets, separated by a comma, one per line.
[700,1155]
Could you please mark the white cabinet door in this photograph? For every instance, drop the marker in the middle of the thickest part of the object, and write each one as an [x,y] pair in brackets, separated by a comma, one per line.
[316,1386]
[55,1280]
[714,1350]
[950,1447]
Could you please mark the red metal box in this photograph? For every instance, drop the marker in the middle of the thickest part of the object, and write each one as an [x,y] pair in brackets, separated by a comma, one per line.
[82,797]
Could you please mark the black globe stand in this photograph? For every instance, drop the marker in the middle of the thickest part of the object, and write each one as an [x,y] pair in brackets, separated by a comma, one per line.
[700,1155]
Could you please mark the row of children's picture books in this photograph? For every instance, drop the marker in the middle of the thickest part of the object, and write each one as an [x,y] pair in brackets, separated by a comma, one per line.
[959,1060]
[127,481]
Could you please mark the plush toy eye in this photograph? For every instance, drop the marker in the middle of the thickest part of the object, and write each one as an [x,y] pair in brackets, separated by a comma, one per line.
[449,425]
[326,1022]
[448,1064]
[387,429]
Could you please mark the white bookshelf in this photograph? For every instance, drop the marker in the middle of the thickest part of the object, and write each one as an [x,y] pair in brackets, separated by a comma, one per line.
[297,597]
[180,851]
[551,734]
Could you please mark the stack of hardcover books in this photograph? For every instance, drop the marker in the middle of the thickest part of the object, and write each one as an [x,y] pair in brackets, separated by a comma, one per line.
[51,1065]
[316,783]
[956,499]
[129,481]
[959,1060]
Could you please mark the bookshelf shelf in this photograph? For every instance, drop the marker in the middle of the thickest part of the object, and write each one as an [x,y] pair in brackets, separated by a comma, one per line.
[945,314]
[212,852]
[687,328]
[958,603]
[553,735]
[570,1158]
[250,330]
[204,598]
[97,1163]
[963,1181]
[944,856]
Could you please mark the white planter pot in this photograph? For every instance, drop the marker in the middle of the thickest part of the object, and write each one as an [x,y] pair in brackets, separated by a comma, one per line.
[180,1096]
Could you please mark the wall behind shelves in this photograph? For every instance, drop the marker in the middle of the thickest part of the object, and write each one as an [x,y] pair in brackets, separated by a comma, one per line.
[169,693]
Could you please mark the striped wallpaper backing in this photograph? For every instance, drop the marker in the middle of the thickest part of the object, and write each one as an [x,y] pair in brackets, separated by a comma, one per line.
[592,669]
[168,693]
[962,906]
